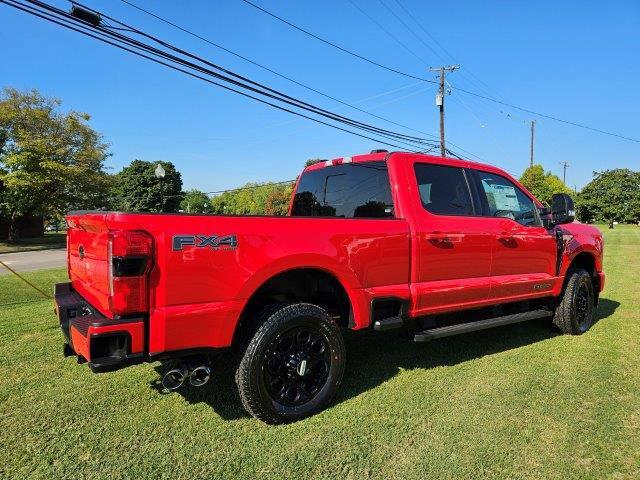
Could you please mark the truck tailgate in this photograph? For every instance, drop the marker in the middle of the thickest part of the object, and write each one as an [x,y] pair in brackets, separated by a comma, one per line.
[87,252]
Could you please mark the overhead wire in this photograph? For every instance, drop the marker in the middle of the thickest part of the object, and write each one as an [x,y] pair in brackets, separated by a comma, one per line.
[334,45]
[268,69]
[384,29]
[305,105]
[116,39]
[468,92]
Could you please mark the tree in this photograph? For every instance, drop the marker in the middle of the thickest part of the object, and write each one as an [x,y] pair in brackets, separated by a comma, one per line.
[542,184]
[137,189]
[254,199]
[50,161]
[195,201]
[611,195]
[278,199]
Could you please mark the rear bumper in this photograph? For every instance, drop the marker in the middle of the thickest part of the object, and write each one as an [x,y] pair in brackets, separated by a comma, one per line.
[106,344]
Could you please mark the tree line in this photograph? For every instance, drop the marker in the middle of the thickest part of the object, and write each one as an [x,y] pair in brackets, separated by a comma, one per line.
[52,161]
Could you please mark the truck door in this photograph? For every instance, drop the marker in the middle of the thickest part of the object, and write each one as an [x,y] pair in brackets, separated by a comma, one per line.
[452,248]
[523,251]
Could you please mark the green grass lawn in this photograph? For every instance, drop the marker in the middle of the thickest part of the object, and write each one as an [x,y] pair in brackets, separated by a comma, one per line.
[49,240]
[513,402]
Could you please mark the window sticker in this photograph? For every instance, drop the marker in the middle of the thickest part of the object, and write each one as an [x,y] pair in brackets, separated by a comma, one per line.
[504,196]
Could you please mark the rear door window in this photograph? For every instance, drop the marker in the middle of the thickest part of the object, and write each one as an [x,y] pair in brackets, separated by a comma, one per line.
[443,190]
[350,190]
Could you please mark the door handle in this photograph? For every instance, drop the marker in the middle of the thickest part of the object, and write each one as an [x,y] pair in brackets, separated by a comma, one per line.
[505,236]
[445,237]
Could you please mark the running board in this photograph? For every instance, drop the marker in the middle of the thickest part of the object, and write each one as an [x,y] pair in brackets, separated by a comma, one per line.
[432,334]
[388,324]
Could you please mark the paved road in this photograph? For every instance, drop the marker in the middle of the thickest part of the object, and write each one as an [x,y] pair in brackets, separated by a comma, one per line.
[28,261]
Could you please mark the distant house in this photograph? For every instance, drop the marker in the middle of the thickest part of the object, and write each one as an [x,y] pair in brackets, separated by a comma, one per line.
[28,226]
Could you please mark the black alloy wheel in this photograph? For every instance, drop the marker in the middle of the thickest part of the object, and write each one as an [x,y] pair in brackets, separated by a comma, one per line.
[293,364]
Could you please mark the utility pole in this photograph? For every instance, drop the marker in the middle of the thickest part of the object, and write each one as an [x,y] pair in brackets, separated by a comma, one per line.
[440,100]
[564,164]
[533,129]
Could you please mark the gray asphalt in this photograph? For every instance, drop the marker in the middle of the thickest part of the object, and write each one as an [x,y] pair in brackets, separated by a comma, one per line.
[29,261]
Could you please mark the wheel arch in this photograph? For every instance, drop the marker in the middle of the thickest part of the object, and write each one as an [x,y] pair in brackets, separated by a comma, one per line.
[310,284]
[585,260]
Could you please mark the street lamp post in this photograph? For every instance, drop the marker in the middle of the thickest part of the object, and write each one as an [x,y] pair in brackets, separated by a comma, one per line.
[160,173]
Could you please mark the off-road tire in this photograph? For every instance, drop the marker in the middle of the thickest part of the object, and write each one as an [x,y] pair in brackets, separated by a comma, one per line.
[574,314]
[256,394]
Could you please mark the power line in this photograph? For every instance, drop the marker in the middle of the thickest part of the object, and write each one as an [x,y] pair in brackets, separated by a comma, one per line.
[237,189]
[243,78]
[62,18]
[385,67]
[408,28]
[550,117]
[270,70]
[387,32]
[349,52]
[471,75]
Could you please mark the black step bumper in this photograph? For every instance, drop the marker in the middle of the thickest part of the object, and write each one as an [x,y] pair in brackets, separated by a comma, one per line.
[105,344]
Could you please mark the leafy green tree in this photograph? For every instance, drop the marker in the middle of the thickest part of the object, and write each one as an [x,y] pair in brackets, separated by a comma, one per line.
[195,201]
[137,189]
[50,161]
[543,184]
[611,195]
[254,199]
[277,202]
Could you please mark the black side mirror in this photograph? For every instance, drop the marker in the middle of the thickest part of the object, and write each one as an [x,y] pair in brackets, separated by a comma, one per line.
[545,216]
[562,209]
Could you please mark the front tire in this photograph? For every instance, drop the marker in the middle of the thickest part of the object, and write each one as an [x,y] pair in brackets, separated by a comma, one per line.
[292,366]
[574,314]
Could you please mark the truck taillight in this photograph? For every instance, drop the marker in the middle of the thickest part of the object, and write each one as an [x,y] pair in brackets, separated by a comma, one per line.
[130,257]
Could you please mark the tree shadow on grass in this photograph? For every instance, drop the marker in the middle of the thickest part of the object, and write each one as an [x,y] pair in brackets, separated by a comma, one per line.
[373,358]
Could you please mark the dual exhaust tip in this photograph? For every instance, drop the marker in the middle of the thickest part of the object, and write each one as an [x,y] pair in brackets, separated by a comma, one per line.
[175,378]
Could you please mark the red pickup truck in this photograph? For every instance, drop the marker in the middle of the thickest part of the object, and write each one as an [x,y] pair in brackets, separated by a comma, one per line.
[376,241]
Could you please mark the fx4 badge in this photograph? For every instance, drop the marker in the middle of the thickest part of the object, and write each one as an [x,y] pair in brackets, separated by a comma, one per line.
[226,242]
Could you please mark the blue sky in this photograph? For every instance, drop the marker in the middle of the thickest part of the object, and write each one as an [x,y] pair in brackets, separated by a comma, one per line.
[578,60]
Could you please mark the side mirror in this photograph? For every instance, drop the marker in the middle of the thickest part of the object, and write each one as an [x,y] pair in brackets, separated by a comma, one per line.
[562,209]
[545,216]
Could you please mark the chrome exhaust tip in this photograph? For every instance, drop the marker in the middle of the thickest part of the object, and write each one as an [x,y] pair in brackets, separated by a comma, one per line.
[200,375]
[174,378]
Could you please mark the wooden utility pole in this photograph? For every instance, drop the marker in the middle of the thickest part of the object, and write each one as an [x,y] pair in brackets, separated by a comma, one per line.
[564,164]
[533,129]
[440,100]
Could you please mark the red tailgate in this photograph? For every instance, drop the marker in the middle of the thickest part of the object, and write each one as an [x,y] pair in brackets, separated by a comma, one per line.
[87,252]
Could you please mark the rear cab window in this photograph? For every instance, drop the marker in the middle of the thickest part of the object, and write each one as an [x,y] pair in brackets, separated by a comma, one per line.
[348,190]
[443,189]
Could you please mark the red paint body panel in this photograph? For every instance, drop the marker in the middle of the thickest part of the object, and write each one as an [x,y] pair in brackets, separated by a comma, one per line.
[196,295]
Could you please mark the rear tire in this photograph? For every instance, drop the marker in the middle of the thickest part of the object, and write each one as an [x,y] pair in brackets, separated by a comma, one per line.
[574,314]
[293,364]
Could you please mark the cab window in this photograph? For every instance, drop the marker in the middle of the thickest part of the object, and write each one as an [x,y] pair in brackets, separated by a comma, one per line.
[502,198]
[443,190]
[350,190]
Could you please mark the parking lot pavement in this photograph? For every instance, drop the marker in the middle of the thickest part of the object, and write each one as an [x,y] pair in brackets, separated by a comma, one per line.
[36,260]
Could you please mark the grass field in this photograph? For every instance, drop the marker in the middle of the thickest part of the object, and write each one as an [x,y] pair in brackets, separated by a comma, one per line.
[514,402]
[50,240]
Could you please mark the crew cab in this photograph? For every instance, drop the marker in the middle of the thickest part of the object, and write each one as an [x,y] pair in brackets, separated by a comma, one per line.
[371,242]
